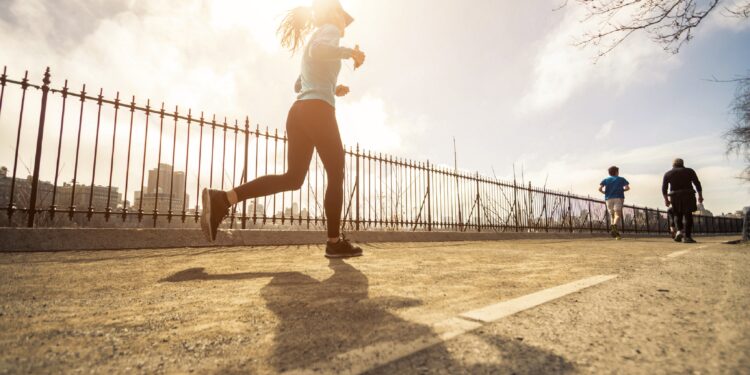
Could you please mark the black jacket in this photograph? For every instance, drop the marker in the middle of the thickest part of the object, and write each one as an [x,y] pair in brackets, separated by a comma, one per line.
[681,180]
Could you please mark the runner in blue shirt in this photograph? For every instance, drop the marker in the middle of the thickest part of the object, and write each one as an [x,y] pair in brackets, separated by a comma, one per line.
[614,188]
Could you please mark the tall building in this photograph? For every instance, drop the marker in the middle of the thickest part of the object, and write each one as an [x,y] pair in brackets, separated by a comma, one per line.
[168,180]
[156,196]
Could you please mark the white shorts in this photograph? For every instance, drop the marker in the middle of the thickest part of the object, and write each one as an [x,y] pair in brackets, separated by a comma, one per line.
[615,204]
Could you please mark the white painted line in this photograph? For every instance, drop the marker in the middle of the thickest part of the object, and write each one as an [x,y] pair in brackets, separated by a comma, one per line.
[677,253]
[683,252]
[501,310]
[370,357]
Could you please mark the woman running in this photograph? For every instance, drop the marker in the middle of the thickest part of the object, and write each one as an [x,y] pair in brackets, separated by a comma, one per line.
[311,123]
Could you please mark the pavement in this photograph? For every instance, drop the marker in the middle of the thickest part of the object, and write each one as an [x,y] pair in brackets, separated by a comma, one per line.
[643,305]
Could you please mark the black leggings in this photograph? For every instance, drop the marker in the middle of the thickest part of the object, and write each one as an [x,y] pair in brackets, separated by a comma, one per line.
[687,228]
[311,124]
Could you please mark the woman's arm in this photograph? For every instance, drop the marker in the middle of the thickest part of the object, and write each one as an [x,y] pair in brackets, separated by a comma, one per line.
[325,46]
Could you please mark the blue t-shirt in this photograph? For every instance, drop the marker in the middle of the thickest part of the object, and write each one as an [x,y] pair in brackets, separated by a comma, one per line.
[614,187]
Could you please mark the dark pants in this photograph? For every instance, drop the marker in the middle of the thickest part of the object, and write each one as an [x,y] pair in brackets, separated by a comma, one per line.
[687,227]
[684,204]
[311,124]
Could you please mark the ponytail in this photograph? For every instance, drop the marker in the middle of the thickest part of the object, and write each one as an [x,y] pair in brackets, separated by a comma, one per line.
[297,23]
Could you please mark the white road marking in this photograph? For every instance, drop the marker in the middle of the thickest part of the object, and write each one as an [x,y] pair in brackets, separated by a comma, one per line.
[501,310]
[677,253]
[370,357]
[682,252]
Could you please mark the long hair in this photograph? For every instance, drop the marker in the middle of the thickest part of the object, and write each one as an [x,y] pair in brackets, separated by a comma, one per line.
[296,25]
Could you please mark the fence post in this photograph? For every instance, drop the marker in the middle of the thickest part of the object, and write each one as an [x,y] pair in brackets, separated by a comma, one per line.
[38,157]
[244,170]
[515,204]
[591,218]
[479,206]
[546,212]
[648,227]
[715,225]
[356,186]
[429,201]
[658,221]
[570,212]
[746,224]
[635,219]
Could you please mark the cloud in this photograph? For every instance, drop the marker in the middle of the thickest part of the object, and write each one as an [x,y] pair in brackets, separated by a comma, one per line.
[721,19]
[605,130]
[562,70]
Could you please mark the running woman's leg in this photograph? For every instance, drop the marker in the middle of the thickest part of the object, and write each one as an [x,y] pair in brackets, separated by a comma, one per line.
[216,202]
[326,137]
[327,140]
[299,154]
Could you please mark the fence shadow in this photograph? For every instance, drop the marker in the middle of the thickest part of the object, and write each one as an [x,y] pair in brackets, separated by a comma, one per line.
[319,320]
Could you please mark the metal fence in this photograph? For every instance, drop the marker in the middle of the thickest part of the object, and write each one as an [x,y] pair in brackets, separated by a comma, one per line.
[137,165]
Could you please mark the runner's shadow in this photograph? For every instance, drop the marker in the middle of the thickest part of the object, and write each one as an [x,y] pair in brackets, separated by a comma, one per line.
[320,320]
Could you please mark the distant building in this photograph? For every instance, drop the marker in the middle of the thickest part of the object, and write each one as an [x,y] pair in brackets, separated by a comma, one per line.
[22,191]
[703,211]
[63,198]
[165,187]
[737,214]
[98,197]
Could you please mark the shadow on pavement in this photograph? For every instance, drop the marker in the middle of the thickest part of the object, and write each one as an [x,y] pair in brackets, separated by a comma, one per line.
[319,320]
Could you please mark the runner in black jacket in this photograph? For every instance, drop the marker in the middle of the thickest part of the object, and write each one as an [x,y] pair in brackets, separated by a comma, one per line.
[678,192]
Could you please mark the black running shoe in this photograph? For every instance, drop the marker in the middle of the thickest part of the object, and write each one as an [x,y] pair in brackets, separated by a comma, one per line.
[215,208]
[342,249]
[687,239]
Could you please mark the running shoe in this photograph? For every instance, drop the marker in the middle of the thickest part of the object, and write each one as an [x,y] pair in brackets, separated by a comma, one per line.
[613,231]
[687,239]
[342,249]
[678,236]
[215,208]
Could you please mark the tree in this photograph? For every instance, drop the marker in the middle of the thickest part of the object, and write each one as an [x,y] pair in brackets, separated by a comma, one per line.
[670,23]
[738,138]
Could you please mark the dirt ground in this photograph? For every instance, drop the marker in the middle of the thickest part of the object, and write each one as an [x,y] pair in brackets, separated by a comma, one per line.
[281,309]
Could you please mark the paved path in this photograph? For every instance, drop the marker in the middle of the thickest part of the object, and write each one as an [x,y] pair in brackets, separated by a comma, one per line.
[578,306]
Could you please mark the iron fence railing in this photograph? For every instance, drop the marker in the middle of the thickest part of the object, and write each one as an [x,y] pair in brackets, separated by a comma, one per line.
[137,165]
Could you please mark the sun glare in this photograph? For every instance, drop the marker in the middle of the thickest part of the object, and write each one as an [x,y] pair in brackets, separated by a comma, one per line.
[260,18]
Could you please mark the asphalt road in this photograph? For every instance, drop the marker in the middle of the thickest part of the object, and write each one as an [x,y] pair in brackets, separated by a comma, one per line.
[668,308]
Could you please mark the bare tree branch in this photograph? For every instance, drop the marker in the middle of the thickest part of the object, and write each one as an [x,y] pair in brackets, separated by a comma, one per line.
[670,23]
[738,138]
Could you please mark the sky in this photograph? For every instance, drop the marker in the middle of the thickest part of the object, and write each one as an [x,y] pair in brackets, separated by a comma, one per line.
[502,77]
